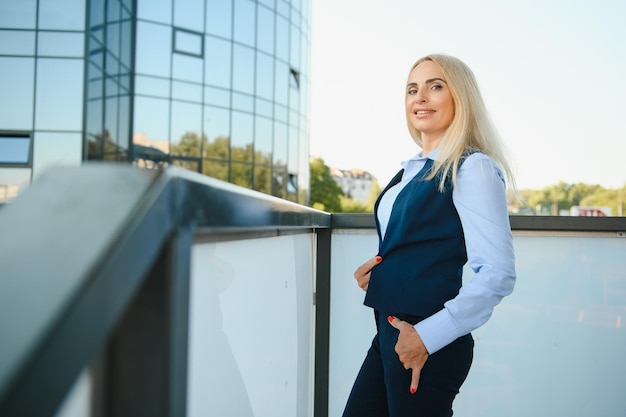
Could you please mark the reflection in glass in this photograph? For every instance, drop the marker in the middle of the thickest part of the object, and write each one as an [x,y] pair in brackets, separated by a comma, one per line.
[186,91]
[186,14]
[62,14]
[152,117]
[217,96]
[268,3]
[16,101]
[244,22]
[156,10]
[282,38]
[61,44]
[265,30]
[243,102]
[94,132]
[243,69]
[280,113]
[153,86]
[188,68]
[263,141]
[282,7]
[189,164]
[279,182]
[217,125]
[17,42]
[282,83]
[264,107]
[218,63]
[294,147]
[219,18]
[186,128]
[18,14]
[280,144]
[113,39]
[263,179]
[14,150]
[59,96]
[294,56]
[151,60]
[55,149]
[216,168]
[241,136]
[264,76]
[241,174]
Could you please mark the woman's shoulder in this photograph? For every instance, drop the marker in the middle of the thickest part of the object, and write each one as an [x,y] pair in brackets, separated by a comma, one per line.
[478,163]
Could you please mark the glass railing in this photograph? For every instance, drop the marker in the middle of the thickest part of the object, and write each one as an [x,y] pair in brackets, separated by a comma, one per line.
[167,293]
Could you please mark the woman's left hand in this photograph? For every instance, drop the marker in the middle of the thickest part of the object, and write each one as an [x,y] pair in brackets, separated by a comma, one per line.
[410,349]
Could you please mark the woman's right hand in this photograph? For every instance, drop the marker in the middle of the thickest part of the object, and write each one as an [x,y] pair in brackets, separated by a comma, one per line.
[362,273]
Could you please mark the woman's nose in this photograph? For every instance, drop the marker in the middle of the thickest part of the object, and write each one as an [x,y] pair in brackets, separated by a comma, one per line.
[420,97]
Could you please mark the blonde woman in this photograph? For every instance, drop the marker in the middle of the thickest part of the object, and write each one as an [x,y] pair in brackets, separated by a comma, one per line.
[445,208]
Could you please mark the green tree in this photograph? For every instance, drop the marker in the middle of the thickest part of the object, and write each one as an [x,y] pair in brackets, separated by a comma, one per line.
[325,193]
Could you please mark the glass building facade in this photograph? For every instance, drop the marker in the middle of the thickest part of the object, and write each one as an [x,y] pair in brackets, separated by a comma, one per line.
[220,87]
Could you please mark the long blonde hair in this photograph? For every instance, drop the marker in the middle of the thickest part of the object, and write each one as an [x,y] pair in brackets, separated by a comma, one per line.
[471,128]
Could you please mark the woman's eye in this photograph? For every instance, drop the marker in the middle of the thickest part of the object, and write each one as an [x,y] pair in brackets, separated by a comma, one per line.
[436,87]
[412,91]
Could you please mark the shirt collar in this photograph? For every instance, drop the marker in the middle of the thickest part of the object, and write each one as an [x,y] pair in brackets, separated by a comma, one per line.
[419,157]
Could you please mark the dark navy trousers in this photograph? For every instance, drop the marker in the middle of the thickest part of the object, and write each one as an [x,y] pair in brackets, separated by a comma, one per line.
[382,387]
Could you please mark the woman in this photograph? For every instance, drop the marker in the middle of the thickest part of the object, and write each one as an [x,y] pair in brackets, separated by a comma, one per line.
[446,207]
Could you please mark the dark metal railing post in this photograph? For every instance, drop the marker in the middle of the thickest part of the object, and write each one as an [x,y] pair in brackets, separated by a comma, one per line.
[322,322]
[147,356]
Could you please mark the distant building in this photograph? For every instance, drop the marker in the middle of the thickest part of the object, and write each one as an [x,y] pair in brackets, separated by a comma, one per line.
[355,183]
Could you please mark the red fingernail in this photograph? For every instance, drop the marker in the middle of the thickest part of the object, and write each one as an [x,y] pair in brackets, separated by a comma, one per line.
[390,318]
[413,391]
[378,259]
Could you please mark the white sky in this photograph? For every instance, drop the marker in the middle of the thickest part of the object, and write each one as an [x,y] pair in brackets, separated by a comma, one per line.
[552,72]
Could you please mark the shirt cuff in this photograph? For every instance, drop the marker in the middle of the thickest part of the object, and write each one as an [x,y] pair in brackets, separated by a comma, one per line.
[437,331]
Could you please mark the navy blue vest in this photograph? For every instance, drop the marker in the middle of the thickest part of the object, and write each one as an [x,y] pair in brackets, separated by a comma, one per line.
[423,251]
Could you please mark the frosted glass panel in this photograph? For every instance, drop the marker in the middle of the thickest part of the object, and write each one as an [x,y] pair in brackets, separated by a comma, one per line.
[251,328]
[553,348]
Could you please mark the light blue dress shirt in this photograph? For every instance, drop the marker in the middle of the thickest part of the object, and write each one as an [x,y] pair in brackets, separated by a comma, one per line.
[480,200]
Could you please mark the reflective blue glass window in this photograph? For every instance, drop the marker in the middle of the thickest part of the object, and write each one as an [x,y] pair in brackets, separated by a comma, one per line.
[217,96]
[155,10]
[113,10]
[186,126]
[268,3]
[154,49]
[264,76]
[281,113]
[282,83]
[280,143]
[243,69]
[14,150]
[62,14]
[113,39]
[188,68]
[126,34]
[219,18]
[265,30]
[17,42]
[282,38]
[241,174]
[152,86]
[55,149]
[264,107]
[61,44]
[111,125]
[16,99]
[189,14]
[216,123]
[244,22]
[96,12]
[186,91]
[20,14]
[282,7]
[243,102]
[218,62]
[292,162]
[295,4]
[123,122]
[152,117]
[294,56]
[241,136]
[94,128]
[263,140]
[188,42]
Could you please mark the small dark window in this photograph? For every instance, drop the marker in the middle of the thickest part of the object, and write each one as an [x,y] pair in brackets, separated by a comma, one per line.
[188,42]
[294,80]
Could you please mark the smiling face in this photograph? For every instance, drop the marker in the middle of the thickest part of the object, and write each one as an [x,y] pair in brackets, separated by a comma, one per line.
[429,103]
